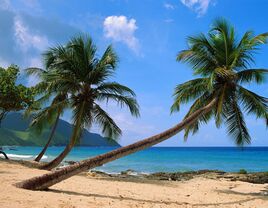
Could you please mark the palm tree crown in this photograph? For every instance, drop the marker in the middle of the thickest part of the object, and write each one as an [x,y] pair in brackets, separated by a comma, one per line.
[224,64]
[75,70]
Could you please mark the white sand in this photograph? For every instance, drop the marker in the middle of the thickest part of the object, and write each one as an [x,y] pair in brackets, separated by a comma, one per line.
[90,192]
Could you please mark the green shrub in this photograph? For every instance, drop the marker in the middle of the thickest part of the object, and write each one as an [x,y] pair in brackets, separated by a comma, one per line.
[242,171]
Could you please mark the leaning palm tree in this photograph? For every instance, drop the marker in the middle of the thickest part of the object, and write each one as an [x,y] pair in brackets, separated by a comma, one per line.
[79,73]
[46,90]
[223,64]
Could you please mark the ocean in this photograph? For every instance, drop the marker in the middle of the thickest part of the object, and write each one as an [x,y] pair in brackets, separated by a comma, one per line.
[163,159]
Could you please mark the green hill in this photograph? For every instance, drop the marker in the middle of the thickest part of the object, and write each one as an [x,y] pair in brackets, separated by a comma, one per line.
[15,131]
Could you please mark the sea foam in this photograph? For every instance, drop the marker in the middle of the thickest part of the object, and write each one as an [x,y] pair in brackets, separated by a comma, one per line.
[23,156]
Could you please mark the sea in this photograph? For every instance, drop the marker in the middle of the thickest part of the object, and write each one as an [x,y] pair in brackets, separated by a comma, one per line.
[162,159]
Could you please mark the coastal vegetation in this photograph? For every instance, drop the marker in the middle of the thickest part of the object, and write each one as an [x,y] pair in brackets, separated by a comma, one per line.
[222,62]
[13,97]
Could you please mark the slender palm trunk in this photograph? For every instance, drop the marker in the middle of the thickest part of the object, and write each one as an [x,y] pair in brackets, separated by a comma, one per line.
[54,163]
[41,154]
[77,130]
[2,116]
[49,179]
[5,155]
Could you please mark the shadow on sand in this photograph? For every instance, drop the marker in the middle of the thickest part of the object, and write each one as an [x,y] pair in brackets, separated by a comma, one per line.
[119,197]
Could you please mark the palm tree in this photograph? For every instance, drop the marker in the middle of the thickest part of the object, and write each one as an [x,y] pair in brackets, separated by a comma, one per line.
[51,114]
[76,71]
[223,63]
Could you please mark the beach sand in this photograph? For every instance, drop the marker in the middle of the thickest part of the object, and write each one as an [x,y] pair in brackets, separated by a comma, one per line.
[88,191]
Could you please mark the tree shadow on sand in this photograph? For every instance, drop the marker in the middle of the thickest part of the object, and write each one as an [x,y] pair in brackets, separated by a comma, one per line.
[263,194]
[120,197]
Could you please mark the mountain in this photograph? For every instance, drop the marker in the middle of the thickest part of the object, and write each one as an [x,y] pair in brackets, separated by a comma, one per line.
[15,131]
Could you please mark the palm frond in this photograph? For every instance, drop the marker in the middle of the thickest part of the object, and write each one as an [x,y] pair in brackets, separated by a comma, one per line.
[188,91]
[252,75]
[123,101]
[199,103]
[253,103]
[220,105]
[116,88]
[47,115]
[106,123]
[105,67]
[259,39]
[35,71]
[236,124]
[109,58]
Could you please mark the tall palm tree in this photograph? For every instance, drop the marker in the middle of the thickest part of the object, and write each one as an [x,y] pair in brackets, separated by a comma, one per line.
[223,63]
[51,114]
[76,70]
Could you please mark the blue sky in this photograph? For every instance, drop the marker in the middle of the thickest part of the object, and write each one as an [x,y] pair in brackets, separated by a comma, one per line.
[147,35]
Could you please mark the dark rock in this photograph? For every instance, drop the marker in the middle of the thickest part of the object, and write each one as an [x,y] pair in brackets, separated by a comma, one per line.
[70,162]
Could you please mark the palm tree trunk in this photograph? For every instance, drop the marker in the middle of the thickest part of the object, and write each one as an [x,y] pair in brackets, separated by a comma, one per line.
[2,116]
[77,130]
[49,179]
[38,158]
[5,155]
[54,163]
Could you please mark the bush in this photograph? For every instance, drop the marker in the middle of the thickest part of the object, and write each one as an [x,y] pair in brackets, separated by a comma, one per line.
[242,171]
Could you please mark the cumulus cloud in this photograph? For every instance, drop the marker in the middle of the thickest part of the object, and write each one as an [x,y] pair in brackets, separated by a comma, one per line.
[199,6]
[120,29]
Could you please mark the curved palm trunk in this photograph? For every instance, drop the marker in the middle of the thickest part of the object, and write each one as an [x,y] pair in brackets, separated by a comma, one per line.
[5,155]
[49,179]
[77,130]
[41,154]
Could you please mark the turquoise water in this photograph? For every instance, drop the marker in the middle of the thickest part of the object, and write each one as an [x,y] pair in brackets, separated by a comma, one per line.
[167,159]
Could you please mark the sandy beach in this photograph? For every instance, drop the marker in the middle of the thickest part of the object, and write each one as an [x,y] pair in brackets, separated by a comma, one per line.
[93,191]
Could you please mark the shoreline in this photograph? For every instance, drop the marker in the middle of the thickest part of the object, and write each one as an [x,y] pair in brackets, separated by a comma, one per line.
[163,159]
[250,177]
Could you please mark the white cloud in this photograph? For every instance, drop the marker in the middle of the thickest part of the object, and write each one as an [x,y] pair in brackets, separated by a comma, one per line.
[27,40]
[169,6]
[199,6]
[120,29]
